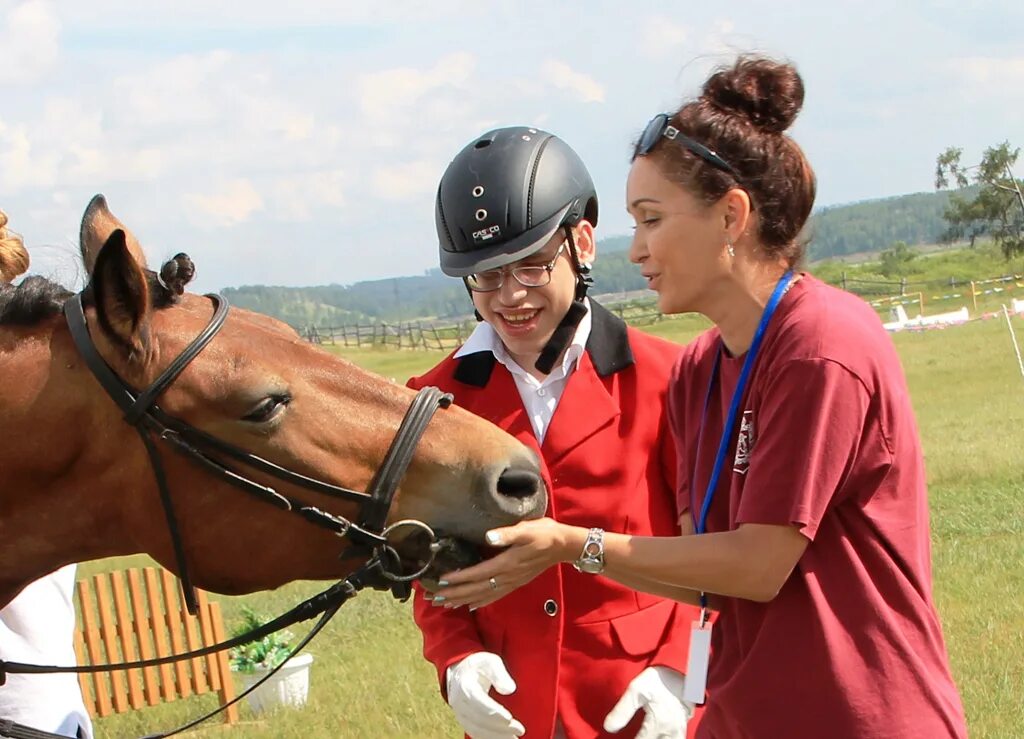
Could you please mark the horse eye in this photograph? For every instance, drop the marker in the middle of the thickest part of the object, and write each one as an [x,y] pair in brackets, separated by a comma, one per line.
[268,409]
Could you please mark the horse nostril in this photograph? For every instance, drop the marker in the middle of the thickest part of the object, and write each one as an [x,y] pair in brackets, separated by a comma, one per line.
[519,483]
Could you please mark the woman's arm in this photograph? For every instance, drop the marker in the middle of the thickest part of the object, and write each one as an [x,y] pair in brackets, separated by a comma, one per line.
[750,562]
[664,590]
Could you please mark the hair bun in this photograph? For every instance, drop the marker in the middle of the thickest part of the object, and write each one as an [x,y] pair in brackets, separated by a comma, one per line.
[178,272]
[13,256]
[768,93]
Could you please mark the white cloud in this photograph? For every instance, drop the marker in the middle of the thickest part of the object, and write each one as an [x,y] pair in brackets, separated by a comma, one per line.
[184,90]
[406,181]
[231,204]
[265,13]
[297,198]
[22,166]
[393,94]
[990,72]
[562,76]
[663,37]
[29,42]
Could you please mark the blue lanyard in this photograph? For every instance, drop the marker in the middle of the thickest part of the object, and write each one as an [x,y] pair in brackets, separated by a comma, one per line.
[700,524]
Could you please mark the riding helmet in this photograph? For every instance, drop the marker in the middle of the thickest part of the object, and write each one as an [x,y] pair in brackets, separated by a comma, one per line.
[505,194]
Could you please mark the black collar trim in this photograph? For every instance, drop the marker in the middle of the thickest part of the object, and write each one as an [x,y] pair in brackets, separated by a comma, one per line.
[608,346]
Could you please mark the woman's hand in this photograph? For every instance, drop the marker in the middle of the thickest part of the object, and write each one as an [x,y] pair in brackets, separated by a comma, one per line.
[532,547]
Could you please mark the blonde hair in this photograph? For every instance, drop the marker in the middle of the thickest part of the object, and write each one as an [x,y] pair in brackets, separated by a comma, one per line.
[13,255]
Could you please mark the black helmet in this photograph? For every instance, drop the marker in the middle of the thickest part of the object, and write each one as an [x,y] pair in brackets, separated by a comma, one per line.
[505,194]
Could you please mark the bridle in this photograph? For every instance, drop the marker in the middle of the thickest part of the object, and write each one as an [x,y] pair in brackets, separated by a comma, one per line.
[369,535]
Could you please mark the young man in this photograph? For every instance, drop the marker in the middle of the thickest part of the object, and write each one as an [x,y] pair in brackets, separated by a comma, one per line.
[571,653]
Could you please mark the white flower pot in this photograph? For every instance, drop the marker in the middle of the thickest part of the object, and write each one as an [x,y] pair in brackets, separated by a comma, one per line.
[288,687]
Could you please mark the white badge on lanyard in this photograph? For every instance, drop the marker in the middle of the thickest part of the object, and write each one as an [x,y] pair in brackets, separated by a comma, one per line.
[697,663]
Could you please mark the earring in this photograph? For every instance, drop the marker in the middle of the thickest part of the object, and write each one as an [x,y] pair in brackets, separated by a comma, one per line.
[728,247]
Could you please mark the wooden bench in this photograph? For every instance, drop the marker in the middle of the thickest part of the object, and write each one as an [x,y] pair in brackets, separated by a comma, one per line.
[138,614]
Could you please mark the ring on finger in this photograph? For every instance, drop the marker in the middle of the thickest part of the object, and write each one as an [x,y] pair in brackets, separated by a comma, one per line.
[493,583]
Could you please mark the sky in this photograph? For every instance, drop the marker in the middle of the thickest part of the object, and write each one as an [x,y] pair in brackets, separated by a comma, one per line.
[301,143]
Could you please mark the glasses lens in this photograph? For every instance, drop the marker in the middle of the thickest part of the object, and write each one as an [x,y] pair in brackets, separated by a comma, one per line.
[532,276]
[652,133]
[483,282]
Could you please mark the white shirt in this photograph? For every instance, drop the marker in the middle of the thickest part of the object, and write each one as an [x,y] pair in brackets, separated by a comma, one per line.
[540,397]
[38,627]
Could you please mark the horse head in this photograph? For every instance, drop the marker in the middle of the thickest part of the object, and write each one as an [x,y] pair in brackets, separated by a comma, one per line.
[76,482]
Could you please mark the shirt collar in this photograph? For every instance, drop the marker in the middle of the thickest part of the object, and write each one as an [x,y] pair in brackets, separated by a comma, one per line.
[485,339]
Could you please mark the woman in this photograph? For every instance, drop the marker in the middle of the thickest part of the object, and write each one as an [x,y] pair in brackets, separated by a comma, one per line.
[801,471]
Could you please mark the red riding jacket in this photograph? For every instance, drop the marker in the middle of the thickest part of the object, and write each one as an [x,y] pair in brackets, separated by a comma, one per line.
[572,641]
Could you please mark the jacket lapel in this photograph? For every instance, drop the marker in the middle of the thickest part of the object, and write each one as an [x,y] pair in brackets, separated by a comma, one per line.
[588,403]
[491,392]
[586,407]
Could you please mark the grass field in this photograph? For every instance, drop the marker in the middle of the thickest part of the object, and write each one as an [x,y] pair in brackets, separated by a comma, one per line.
[369,680]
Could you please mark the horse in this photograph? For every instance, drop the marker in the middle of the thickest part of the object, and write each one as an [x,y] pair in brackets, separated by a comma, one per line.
[77,482]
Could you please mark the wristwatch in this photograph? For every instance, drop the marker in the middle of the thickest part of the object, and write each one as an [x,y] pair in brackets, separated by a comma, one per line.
[591,559]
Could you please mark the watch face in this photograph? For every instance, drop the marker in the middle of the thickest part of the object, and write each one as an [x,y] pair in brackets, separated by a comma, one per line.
[591,566]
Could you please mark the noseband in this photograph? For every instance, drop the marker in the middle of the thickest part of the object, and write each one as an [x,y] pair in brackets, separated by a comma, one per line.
[369,534]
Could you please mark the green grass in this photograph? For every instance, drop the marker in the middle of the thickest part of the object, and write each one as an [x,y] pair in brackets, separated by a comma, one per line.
[369,679]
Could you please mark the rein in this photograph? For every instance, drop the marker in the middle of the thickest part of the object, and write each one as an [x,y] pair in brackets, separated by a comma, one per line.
[326,603]
[383,569]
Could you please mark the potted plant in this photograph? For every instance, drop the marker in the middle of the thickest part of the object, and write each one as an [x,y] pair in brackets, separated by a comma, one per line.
[289,686]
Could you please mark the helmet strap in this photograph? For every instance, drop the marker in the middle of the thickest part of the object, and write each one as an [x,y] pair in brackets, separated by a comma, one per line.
[479,318]
[566,329]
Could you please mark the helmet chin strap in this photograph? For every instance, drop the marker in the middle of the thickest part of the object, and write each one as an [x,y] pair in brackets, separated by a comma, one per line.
[566,329]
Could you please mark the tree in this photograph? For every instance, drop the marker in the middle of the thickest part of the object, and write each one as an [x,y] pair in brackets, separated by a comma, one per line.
[998,206]
[896,259]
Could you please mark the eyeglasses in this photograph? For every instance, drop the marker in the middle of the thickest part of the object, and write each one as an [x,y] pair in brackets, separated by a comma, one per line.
[659,128]
[527,275]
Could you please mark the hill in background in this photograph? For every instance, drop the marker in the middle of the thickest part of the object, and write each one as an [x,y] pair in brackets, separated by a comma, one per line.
[834,232]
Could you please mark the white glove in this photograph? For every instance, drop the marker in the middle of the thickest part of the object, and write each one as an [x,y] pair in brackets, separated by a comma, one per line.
[481,716]
[658,690]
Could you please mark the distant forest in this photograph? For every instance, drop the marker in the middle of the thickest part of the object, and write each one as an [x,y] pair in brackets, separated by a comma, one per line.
[833,232]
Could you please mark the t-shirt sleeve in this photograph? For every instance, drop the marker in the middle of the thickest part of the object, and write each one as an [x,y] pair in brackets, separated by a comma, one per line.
[810,425]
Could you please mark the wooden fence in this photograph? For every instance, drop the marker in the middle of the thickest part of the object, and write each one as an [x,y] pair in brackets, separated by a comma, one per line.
[440,335]
[137,613]
[404,335]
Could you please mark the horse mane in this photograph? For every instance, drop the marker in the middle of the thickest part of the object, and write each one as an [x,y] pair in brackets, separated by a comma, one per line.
[34,300]
[37,298]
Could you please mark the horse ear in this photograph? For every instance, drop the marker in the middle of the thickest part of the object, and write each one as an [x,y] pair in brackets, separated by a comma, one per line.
[121,293]
[98,223]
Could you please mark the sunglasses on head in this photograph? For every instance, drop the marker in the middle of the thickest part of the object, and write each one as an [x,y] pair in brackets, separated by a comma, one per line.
[659,128]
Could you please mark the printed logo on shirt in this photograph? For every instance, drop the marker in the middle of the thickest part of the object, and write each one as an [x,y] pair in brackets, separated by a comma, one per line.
[744,443]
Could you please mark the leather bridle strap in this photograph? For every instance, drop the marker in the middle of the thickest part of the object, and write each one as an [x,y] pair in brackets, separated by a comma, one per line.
[150,421]
[392,469]
[134,412]
[135,404]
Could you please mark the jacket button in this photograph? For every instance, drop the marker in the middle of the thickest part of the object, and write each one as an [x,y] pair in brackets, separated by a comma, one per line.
[550,607]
